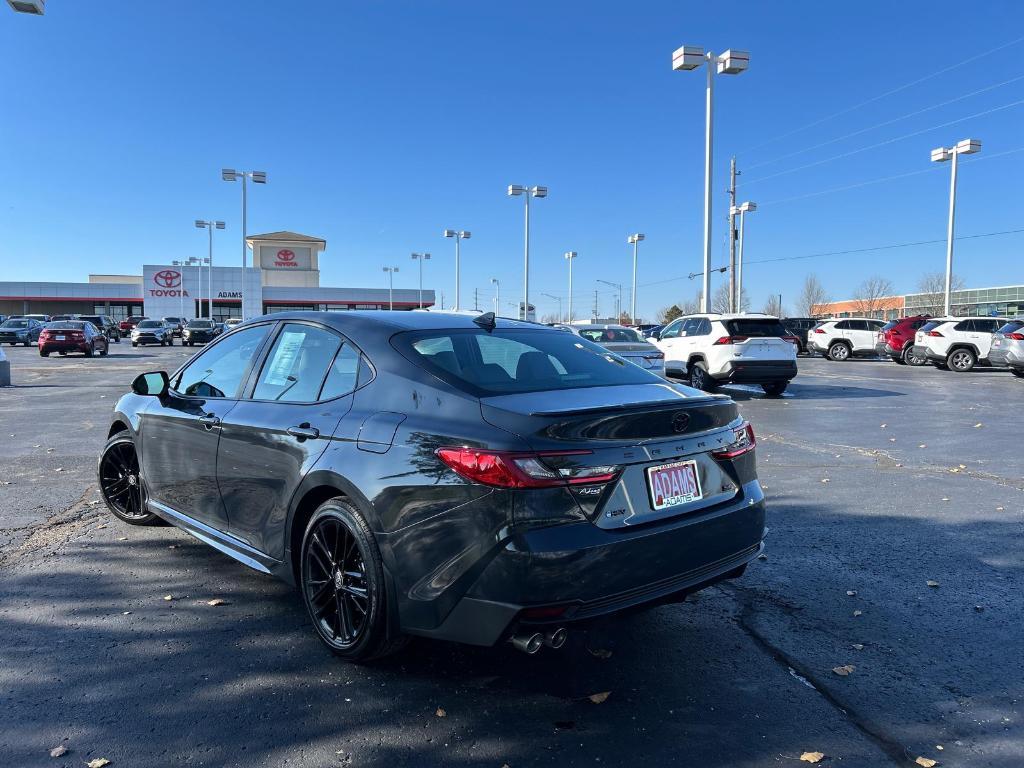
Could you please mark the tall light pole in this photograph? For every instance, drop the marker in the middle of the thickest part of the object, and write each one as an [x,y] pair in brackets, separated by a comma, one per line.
[559,300]
[421,257]
[210,226]
[618,301]
[391,286]
[514,190]
[634,240]
[743,209]
[729,63]
[459,237]
[941,155]
[570,256]
[258,177]
[497,294]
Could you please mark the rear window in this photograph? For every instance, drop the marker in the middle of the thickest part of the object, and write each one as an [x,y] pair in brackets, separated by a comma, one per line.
[519,360]
[930,326]
[66,325]
[1010,327]
[607,335]
[756,327]
[889,326]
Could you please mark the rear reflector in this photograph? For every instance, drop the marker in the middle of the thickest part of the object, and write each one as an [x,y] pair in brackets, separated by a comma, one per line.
[935,333]
[544,612]
[818,330]
[743,442]
[504,469]
[1015,336]
[791,339]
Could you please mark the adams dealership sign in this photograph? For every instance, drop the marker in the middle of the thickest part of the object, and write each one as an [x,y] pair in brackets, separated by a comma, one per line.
[167,282]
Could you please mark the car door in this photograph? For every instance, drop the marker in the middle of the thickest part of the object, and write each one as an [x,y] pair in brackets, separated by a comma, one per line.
[858,331]
[670,344]
[982,335]
[271,438]
[179,433]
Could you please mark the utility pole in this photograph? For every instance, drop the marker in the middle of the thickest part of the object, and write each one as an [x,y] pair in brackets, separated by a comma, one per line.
[476,299]
[596,313]
[734,299]
[442,300]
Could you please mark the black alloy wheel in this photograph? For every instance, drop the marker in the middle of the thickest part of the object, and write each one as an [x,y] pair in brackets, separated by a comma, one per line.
[699,377]
[342,583]
[910,358]
[120,482]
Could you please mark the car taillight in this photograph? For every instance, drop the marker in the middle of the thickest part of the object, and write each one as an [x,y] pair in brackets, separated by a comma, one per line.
[818,330]
[504,469]
[791,339]
[743,442]
[1015,336]
[731,340]
[935,333]
[44,333]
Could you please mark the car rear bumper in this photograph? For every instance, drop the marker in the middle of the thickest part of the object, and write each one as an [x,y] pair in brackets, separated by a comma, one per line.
[64,346]
[998,357]
[582,571]
[12,339]
[757,371]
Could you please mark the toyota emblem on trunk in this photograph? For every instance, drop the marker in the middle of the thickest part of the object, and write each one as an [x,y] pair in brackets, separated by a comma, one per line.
[680,421]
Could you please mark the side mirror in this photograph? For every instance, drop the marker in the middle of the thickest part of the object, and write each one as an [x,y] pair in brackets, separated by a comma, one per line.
[153,383]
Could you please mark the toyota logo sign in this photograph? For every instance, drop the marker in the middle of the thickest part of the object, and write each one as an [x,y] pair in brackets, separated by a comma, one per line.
[167,278]
[286,255]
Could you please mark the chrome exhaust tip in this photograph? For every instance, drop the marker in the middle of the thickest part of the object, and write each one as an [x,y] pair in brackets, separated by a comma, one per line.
[555,638]
[528,643]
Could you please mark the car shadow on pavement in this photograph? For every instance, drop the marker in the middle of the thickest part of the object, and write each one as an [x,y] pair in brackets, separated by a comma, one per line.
[808,392]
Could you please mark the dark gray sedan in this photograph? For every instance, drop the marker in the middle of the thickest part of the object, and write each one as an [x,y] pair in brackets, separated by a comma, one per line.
[438,475]
[624,342]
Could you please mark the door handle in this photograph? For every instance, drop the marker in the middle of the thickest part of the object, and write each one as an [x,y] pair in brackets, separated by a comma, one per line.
[209,421]
[304,432]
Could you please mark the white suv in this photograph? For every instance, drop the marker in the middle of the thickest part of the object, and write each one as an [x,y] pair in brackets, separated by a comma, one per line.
[844,338]
[957,343]
[718,349]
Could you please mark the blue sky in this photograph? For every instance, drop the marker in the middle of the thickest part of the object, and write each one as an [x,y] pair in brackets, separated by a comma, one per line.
[380,124]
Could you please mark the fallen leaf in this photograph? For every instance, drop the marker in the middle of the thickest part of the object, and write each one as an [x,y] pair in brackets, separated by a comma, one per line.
[931,583]
[600,698]
[999,509]
[441,713]
[99,762]
[892,439]
[126,613]
[857,613]
[173,546]
[600,653]
[813,757]
[762,556]
[883,426]
[59,469]
[922,445]
[963,466]
[979,608]
[945,498]
[217,601]
[58,751]
[926,762]
[858,646]
[844,670]
[976,426]
[824,479]
[851,593]
[122,538]
[168,598]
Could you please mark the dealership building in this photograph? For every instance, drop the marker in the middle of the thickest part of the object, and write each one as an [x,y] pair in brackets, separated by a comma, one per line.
[285,276]
[1001,301]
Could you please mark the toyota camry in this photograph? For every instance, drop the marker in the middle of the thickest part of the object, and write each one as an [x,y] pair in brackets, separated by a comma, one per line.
[479,480]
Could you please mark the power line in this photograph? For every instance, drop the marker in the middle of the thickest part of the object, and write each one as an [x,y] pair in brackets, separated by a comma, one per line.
[885,143]
[851,251]
[881,96]
[929,169]
[883,123]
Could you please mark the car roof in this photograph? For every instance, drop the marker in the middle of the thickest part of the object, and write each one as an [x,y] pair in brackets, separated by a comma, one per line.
[399,320]
[732,316]
[602,327]
[839,319]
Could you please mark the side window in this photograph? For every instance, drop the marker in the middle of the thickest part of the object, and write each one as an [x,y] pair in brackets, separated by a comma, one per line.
[690,326]
[966,326]
[858,325]
[842,325]
[703,327]
[343,374]
[991,326]
[672,331]
[218,371]
[295,369]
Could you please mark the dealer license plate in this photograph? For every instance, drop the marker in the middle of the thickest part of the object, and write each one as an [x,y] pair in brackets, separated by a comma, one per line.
[674,484]
[60,338]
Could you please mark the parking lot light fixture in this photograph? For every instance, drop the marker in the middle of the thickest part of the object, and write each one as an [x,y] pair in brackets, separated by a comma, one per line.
[257,177]
[559,300]
[570,256]
[634,240]
[618,301]
[391,286]
[421,257]
[459,236]
[30,7]
[515,190]
[497,294]
[209,226]
[743,209]
[731,62]
[941,155]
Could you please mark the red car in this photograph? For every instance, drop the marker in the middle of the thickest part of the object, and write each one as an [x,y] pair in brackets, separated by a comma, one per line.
[896,340]
[72,336]
[130,322]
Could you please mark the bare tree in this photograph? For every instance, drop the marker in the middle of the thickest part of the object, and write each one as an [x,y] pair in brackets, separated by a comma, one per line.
[870,295]
[812,297]
[720,300]
[692,306]
[552,318]
[773,306]
[933,287]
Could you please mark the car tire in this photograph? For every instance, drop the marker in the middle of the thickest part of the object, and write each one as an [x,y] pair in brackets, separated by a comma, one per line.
[911,359]
[775,388]
[839,352]
[43,354]
[350,618]
[1018,372]
[106,349]
[961,360]
[120,482]
[135,343]
[26,343]
[699,377]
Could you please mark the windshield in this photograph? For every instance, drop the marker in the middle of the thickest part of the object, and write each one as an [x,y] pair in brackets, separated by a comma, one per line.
[608,335]
[199,324]
[756,327]
[515,361]
[15,324]
[150,324]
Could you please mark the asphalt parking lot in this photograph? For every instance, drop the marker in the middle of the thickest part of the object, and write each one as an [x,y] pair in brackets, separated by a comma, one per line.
[896,507]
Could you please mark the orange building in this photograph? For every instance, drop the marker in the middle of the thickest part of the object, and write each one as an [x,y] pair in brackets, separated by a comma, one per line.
[884,308]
